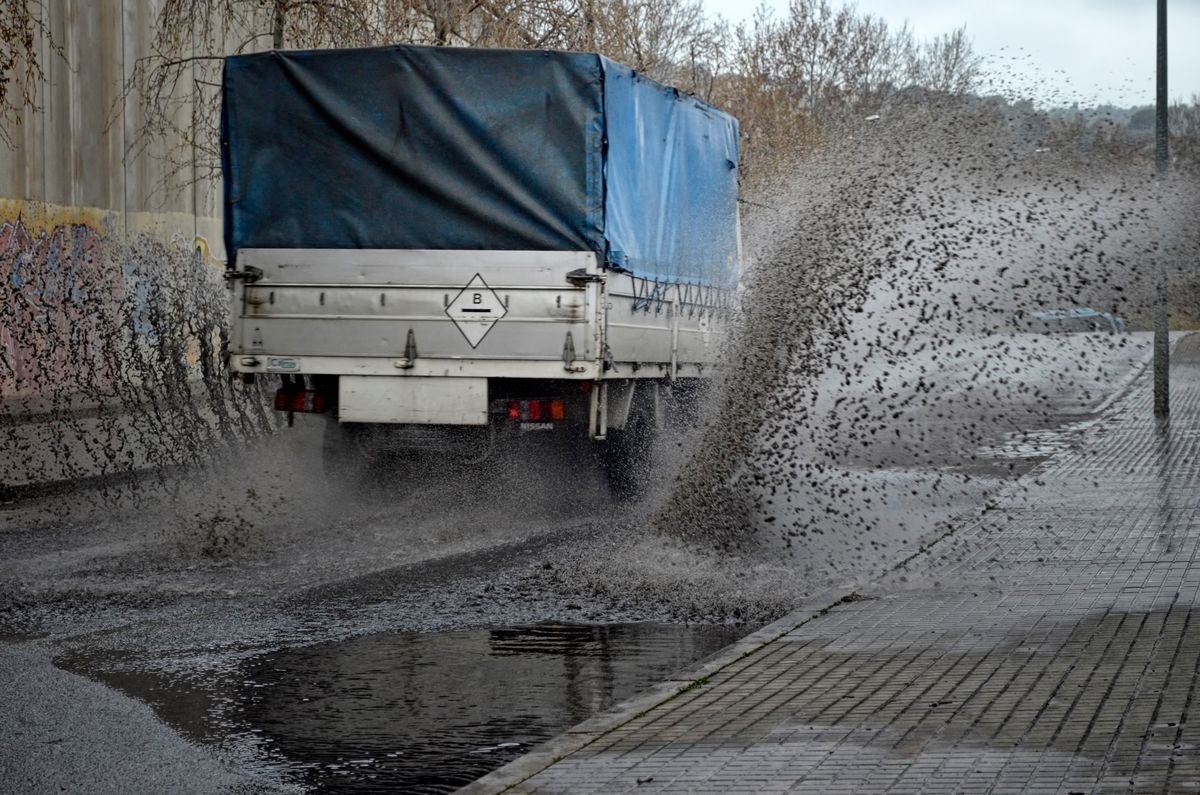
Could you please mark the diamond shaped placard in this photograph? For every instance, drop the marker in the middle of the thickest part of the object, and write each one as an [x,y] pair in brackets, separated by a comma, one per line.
[475,310]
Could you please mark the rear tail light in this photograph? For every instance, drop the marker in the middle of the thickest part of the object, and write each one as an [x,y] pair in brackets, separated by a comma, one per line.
[544,410]
[300,400]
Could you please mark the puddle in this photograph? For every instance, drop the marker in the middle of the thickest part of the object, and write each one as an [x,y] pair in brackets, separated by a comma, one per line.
[1034,446]
[414,713]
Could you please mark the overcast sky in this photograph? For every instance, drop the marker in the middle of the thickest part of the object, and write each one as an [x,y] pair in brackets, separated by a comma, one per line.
[1054,51]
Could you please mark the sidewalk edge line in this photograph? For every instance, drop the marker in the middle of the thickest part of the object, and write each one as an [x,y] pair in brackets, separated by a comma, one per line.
[578,737]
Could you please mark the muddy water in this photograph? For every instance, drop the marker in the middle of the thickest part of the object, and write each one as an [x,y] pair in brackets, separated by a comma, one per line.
[410,712]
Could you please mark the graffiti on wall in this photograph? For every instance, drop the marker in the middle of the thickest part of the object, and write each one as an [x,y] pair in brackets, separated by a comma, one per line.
[111,352]
[57,299]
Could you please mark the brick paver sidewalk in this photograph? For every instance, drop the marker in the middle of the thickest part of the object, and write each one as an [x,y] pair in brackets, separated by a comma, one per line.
[1054,646]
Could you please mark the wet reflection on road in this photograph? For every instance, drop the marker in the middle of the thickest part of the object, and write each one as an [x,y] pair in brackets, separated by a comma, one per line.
[414,712]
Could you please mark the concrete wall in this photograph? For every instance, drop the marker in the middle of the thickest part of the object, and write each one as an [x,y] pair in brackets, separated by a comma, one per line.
[77,149]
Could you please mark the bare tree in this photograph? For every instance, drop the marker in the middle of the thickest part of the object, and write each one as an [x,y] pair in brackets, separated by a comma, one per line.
[1183,121]
[794,74]
[23,28]
[651,36]
[177,85]
[946,64]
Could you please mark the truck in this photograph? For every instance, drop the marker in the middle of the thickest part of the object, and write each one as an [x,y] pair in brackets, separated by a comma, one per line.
[446,248]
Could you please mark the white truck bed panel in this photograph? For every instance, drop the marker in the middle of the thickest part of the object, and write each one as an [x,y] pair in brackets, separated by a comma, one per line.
[466,314]
[413,400]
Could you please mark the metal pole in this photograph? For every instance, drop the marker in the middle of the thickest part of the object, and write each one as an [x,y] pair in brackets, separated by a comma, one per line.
[1162,348]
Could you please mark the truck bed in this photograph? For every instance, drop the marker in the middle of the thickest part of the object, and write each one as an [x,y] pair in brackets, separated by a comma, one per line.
[491,314]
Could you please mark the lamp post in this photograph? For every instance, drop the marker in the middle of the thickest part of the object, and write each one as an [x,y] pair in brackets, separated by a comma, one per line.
[1162,348]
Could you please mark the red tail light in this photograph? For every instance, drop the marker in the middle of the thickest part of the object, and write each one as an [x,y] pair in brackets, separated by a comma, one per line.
[300,400]
[542,410]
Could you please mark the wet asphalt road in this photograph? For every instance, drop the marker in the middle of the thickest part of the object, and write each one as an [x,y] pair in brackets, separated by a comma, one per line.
[200,579]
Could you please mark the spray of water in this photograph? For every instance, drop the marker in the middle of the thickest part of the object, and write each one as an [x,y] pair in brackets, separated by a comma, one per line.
[894,367]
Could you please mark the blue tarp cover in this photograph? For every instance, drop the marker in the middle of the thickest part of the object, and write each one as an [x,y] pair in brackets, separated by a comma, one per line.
[458,148]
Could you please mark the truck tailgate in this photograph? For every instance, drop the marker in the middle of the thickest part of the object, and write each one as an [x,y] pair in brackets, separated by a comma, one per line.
[440,305]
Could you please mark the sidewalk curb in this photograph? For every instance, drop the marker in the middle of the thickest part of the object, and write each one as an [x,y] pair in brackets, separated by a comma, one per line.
[1131,378]
[595,727]
[1126,384]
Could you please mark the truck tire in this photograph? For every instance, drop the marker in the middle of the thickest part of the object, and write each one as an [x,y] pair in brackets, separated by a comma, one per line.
[341,453]
[626,454]
[686,403]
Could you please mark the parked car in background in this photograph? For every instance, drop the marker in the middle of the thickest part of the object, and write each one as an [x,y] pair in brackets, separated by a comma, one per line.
[1074,320]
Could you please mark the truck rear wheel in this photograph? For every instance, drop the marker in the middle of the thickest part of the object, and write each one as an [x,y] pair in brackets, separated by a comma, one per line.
[686,402]
[366,456]
[342,456]
[627,453]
